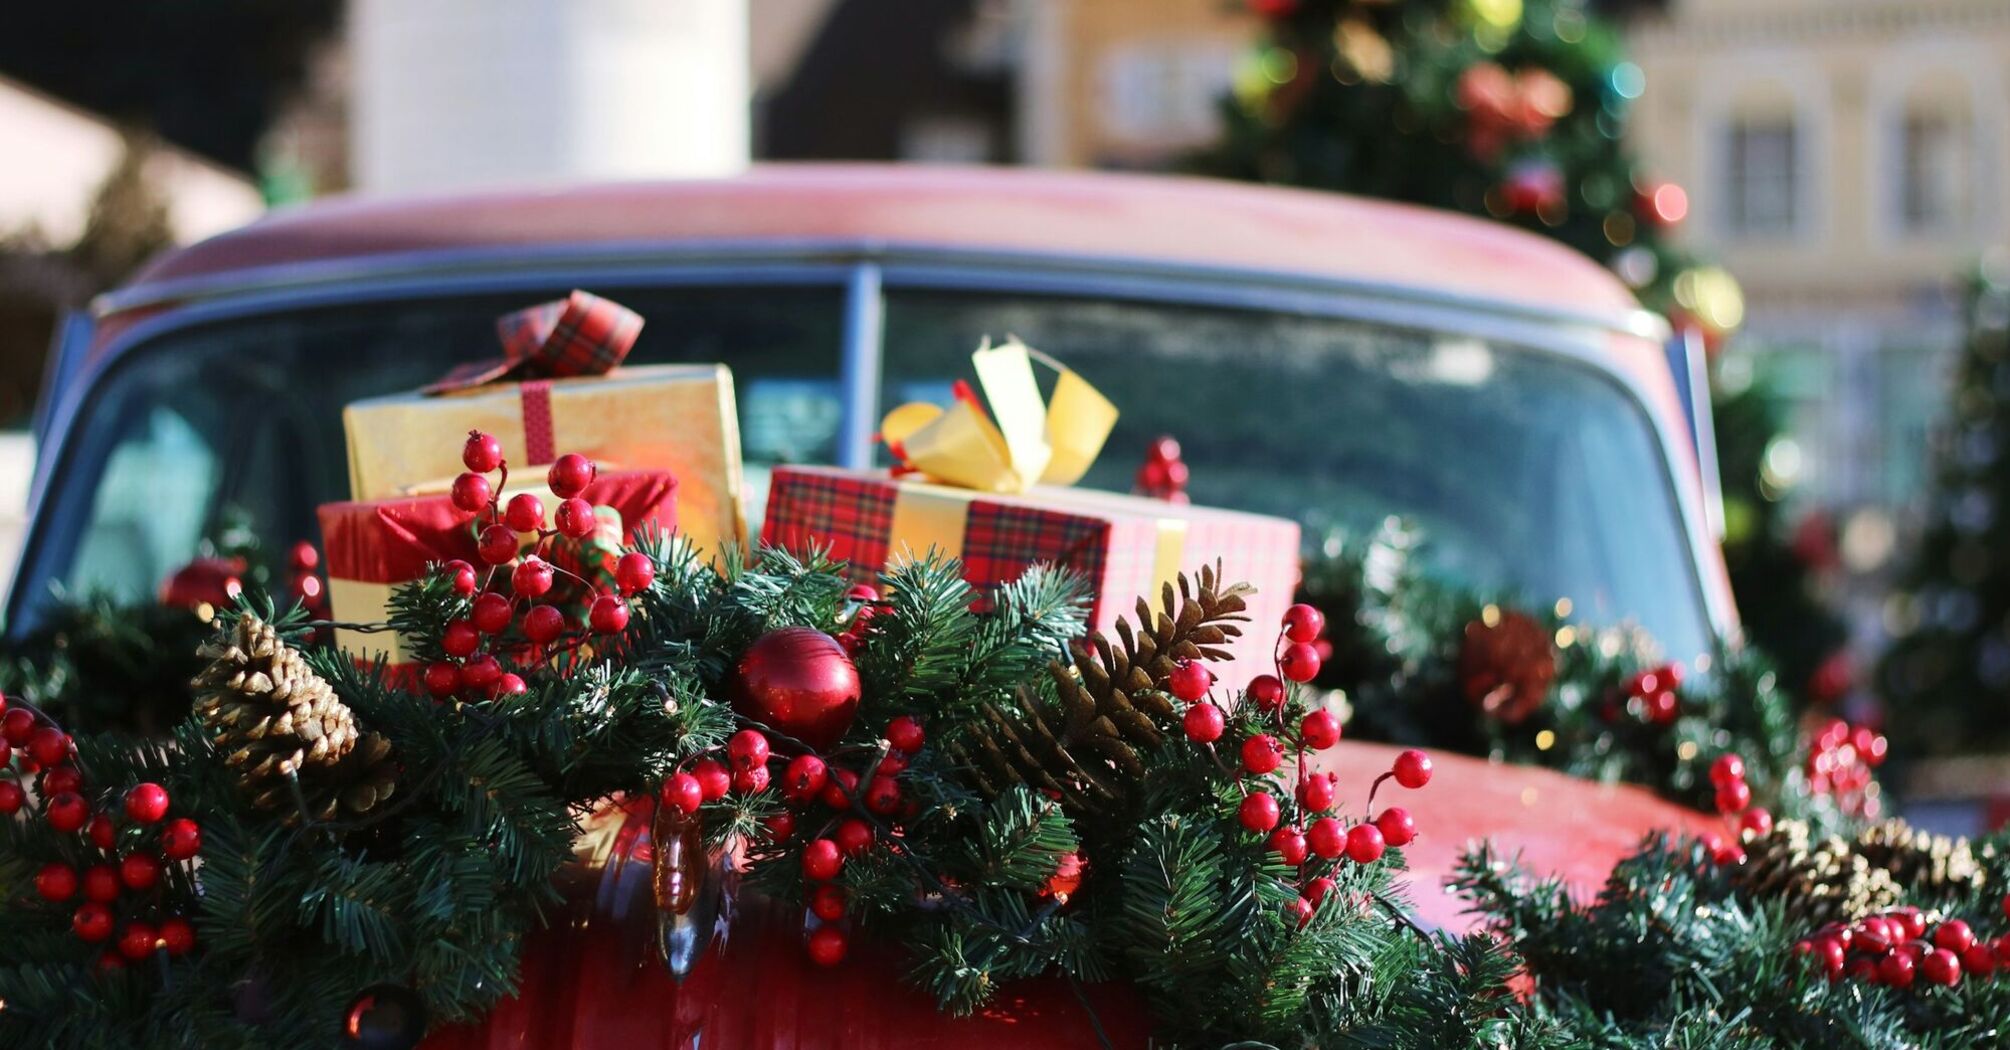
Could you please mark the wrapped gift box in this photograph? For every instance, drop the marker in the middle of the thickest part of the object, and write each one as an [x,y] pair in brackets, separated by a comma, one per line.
[1127,546]
[372,546]
[676,418]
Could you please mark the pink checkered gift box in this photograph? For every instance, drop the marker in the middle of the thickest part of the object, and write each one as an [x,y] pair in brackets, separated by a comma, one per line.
[1125,545]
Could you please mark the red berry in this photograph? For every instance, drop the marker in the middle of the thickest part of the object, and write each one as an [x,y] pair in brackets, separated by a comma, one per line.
[138,941]
[1830,953]
[442,679]
[574,518]
[497,545]
[1266,692]
[18,726]
[1262,753]
[634,572]
[101,883]
[1895,970]
[1258,811]
[1300,911]
[1299,662]
[805,777]
[713,780]
[12,798]
[854,836]
[838,790]
[1941,967]
[1726,851]
[1727,768]
[1663,707]
[49,746]
[481,672]
[569,475]
[460,639]
[1978,960]
[1412,769]
[472,493]
[492,613]
[882,796]
[827,903]
[463,574]
[1364,844]
[99,831]
[482,453]
[750,781]
[1317,890]
[748,748]
[177,936]
[1303,623]
[524,512]
[109,962]
[67,812]
[861,592]
[1954,935]
[139,871]
[1190,680]
[609,615]
[2006,905]
[1733,797]
[682,791]
[1320,730]
[1317,792]
[1204,723]
[543,624]
[56,882]
[1911,920]
[1758,821]
[1289,845]
[61,779]
[827,946]
[1397,826]
[781,826]
[1326,837]
[181,839]
[531,578]
[6,753]
[1873,754]
[92,922]
[822,860]
[905,734]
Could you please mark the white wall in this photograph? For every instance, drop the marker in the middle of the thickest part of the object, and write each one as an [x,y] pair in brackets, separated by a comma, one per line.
[454,94]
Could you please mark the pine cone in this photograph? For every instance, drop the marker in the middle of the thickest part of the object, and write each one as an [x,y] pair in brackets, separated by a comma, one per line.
[1819,882]
[275,720]
[1506,665]
[1921,861]
[1113,700]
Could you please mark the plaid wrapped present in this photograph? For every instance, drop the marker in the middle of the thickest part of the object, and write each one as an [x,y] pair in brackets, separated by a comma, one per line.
[1127,546]
[373,546]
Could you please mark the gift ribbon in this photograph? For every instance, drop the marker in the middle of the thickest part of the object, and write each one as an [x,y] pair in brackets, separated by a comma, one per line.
[539,433]
[1023,440]
[935,518]
[579,335]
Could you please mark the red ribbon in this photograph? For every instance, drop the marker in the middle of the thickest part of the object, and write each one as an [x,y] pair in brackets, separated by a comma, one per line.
[579,335]
[539,433]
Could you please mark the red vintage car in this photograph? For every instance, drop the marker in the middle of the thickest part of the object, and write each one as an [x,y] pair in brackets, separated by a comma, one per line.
[1334,360]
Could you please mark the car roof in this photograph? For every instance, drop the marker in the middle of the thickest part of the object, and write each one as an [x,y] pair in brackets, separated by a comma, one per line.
[1154,219]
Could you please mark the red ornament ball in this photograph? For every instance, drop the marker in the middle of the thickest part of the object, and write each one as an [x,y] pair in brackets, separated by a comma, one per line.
[1320,730]
[799,681]
[482,453]
[822,860]
[472,493]
[1941,967]
[1364,844]
[139,871]
[805,777]
[683,791]
[177,936]
[905,734]
[1412,769]
[543,624]
[827,903]
[497,545]
[574,518]
[460,639]
[1266,692]
[713,779]
[1289,845]
[67,812]
[750,781]
[463,575]
[18,726]
[827,946]
[532,577]
[1204,723]
[1326,837]
[1303,623]
[92,922]
[1258,811]
[61,779]
[634,572]
[609,615]
[492,613]
[569,475]
[49,746]
[1299,662]
[442,679]
[101,883]
[12,798]
[138,941]
[1318,791]
[1262,753]
[1398,828]
[854,836]
[1190,680]
[181,839]
[56,882]
[1733,797]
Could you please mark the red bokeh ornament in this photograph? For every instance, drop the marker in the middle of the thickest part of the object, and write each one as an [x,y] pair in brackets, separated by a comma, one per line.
[799,681]
[1506,666]
[205,581]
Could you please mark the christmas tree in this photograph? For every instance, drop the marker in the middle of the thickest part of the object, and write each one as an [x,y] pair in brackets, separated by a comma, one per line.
[1947,676]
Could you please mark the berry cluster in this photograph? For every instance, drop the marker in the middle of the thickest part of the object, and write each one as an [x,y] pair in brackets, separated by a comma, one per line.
[863,598]
[1840,760]
[120,857]
[1903,947]
[304,582]
[1651,696]
[1163,475]
[1316,838]
[516,625]
[1734,801]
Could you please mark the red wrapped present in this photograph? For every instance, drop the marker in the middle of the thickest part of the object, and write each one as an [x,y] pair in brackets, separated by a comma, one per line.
[373,546]
[1126,546]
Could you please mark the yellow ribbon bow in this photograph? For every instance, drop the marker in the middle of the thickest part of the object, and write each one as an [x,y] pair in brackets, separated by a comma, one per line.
[1032,441]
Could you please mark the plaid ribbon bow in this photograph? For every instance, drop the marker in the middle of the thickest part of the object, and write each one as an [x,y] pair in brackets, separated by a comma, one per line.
[581,334]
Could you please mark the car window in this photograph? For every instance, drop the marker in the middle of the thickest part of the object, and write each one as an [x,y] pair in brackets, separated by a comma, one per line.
[1527,474]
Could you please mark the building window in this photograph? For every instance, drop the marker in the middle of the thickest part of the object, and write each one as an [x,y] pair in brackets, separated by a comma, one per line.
[1761,178]
[1933,183]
